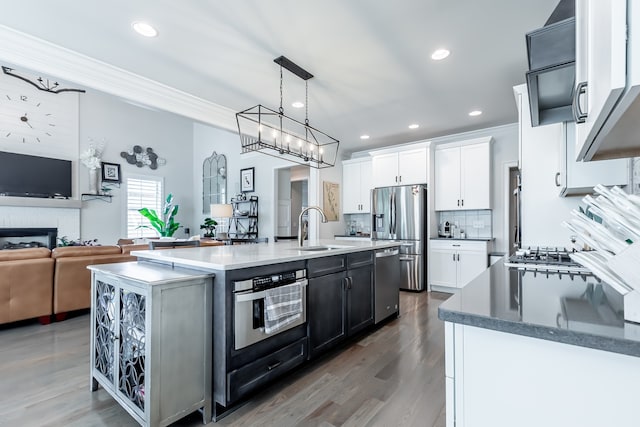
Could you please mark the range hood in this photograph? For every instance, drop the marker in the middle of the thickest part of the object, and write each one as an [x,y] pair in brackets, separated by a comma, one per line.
[551,51]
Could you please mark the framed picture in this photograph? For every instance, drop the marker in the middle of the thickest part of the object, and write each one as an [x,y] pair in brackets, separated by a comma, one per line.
[246,180]
[331,200]
[110,172]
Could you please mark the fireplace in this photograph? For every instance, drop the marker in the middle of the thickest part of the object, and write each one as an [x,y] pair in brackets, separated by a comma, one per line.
[17,238]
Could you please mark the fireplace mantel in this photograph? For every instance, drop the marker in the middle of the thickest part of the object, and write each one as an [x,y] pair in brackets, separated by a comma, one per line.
[37,202]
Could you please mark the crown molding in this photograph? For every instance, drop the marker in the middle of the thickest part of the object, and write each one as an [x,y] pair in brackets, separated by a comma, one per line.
[23,50]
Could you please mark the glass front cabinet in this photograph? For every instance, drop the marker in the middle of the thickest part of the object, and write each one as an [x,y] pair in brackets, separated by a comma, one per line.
[151,340]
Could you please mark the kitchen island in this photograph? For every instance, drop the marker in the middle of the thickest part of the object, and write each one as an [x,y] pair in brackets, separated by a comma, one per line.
[337,282]
[531,349]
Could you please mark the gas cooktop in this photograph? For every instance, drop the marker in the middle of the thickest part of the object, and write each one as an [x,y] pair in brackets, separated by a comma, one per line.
[546,259]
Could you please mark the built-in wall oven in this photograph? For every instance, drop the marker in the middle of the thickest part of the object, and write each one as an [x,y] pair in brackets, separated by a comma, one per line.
[249,300]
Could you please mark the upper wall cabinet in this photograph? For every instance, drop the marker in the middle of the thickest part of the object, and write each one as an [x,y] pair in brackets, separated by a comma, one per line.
[606,103]
[571,177]
[463,175]
[578,178]
[404,166]
[356,186]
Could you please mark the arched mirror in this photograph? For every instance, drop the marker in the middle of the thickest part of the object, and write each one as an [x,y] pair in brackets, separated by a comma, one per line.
[214,181]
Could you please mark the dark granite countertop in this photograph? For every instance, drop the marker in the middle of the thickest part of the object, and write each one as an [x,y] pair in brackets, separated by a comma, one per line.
[582,311]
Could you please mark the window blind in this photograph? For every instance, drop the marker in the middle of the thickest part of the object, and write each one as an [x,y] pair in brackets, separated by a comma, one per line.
[142,193]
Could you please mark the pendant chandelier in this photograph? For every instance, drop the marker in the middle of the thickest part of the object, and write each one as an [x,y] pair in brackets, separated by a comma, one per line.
[276,134]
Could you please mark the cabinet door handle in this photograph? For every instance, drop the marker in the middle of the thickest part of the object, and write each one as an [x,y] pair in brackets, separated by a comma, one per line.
[578,114]
[458,257]
[462,202]
[458,202]
[400,177]
[454,257]
[557,181]
[273,365]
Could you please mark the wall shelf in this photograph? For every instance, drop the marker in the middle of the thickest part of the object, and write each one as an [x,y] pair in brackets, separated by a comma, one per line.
[37,202]
[103,197]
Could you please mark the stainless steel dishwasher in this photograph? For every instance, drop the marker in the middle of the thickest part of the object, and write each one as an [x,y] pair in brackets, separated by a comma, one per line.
[387,283]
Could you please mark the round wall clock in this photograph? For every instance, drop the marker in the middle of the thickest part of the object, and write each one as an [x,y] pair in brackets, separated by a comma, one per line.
[37,122]
[26,119]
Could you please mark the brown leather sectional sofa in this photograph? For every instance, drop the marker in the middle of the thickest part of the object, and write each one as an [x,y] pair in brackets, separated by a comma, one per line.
[38,282]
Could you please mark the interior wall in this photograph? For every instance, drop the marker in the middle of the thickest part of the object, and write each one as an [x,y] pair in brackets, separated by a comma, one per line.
[121,126]
[504,149]
[298,200]
[206,140]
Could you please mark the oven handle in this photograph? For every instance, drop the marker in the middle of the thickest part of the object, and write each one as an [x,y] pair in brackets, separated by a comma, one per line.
[252,296]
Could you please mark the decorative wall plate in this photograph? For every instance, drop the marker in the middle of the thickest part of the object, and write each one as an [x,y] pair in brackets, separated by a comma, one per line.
[143,157]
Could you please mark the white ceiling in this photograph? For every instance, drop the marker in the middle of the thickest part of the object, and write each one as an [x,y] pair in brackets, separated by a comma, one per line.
[370,58]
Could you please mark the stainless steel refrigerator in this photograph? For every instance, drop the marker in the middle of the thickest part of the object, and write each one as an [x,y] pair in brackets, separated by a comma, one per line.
[400,213]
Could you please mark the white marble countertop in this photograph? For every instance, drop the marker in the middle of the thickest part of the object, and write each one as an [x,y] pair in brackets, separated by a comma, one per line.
[253,255]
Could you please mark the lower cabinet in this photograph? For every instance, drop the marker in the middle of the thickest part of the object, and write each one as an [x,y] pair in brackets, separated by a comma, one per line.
[340,299]
[326,319]
[454,263]
[150,337]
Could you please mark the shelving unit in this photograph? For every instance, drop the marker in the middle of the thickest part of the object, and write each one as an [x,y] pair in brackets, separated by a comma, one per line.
[244,226]
[103,197]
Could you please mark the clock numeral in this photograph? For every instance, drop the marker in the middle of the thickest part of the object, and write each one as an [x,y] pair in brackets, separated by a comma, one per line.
[37,139]
[23,98]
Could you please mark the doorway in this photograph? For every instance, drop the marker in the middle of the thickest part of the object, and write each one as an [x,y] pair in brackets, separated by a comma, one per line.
[292,195]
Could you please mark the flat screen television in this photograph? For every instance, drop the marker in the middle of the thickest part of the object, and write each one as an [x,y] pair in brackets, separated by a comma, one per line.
[32,176]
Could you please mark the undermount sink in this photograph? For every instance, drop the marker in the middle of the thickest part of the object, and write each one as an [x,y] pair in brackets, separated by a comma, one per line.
[321,248]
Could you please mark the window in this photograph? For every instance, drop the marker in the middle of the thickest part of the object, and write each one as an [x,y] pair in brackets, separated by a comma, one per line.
[142,192]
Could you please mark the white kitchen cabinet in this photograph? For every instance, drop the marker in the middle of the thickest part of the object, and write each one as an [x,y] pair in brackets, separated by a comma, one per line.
[356,188]
[606,101]
[577,178]
[454,263]
[404,166]
[544,172]
[151,340]
[489,366]
[463,175]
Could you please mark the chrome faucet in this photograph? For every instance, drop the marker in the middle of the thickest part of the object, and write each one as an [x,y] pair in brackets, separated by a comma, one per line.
[300,235]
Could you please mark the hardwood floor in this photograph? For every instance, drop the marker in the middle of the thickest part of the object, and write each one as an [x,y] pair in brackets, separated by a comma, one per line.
[392,377]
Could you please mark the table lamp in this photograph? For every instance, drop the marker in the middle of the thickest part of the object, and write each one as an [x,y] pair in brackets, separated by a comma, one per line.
[221,212]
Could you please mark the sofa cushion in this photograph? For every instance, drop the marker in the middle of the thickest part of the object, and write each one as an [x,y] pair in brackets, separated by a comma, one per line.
[26,289]
[72,279]
[75,251]
[126,249]
[28,253]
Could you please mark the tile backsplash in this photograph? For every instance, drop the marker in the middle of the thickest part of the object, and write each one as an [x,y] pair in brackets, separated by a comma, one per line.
[474,224]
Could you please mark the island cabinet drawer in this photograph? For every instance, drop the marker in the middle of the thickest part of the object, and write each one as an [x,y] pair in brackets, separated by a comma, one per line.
[358,259]
[326,265]
[260,372]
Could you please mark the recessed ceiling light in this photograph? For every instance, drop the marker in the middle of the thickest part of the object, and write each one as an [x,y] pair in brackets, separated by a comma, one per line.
[414,126]
[144,29]
[297,104]
[475,113]
[364,136]
[440,54]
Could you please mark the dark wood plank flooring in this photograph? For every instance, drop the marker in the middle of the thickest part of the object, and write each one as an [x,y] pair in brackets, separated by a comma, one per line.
[391,377]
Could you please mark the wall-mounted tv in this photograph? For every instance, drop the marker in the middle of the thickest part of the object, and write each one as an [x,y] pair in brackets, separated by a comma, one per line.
[33,176]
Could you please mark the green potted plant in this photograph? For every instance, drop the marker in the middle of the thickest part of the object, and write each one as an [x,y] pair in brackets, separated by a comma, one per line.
[165,226]
[209,226]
